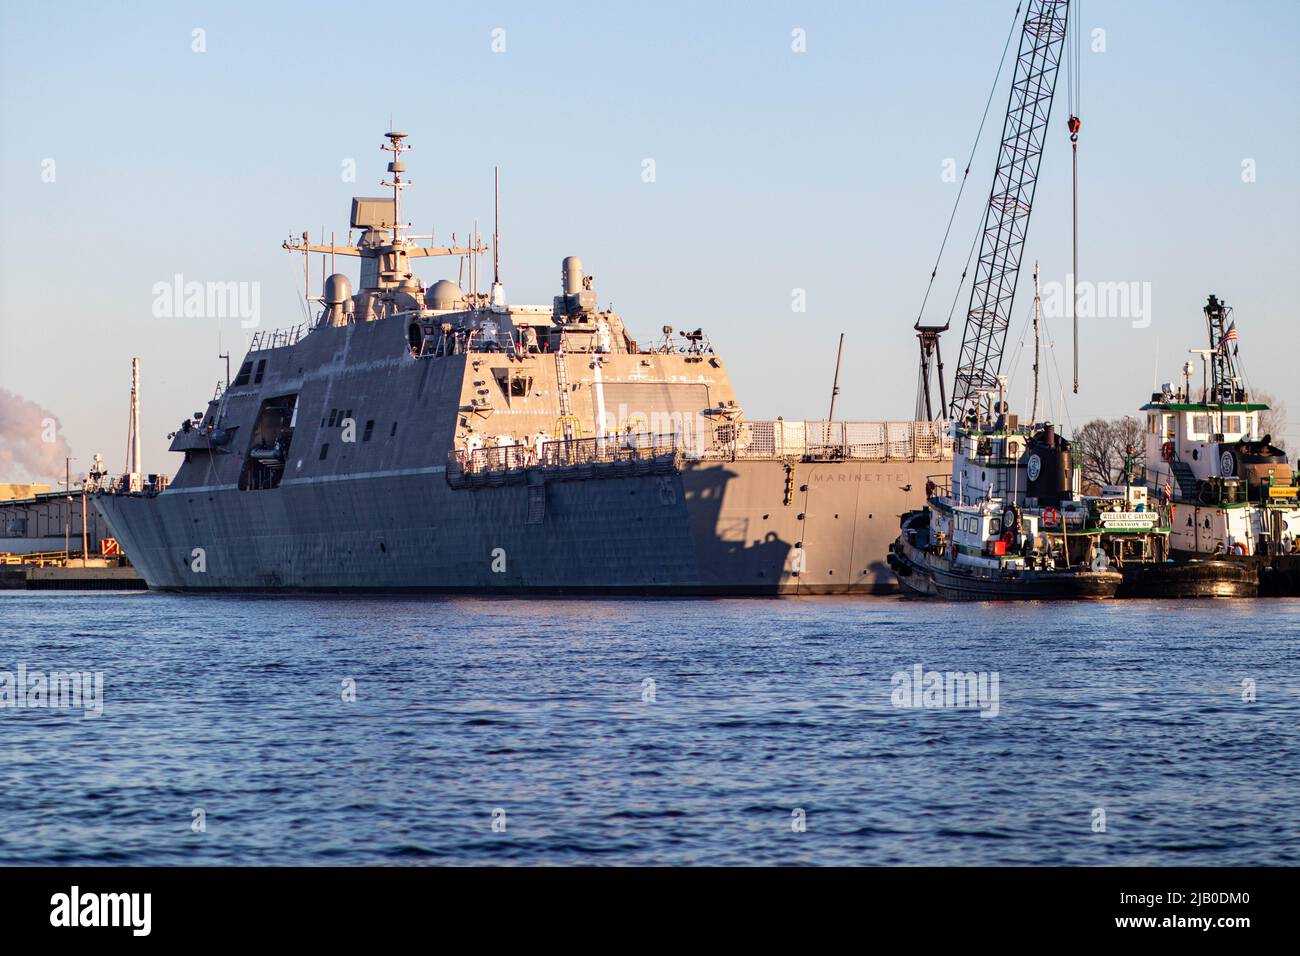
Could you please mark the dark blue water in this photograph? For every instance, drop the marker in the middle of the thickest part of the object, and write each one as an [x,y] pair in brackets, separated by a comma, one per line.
[761,708]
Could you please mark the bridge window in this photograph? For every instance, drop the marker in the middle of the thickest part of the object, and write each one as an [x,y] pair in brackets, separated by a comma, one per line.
[324,450]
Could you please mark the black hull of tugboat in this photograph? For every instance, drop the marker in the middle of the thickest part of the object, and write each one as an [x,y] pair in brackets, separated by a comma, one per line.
[1275,575]
[924,574]
[1280,576]
[1190,579]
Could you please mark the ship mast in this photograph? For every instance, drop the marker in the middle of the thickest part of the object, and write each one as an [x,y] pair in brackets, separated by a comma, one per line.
[396,167]
[133,455]
[1038,316]
[390,255]
[1222,362]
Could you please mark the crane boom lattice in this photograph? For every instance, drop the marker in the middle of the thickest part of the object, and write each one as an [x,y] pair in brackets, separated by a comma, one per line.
[1006,220]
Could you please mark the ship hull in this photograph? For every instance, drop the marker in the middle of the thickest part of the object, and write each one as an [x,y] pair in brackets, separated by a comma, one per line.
[1275,575]
[1190,579]
[765,527]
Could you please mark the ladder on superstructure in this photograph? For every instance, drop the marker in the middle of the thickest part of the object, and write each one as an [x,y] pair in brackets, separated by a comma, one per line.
[567,420]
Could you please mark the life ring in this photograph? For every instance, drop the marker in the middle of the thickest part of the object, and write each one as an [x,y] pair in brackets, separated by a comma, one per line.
[1167,451]
[1051,518]
[1239,548]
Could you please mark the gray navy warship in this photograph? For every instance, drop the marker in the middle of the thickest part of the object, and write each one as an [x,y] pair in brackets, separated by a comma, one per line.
[438,439]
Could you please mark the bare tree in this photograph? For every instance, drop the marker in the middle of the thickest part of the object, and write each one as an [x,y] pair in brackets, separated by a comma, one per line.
[1101,446]
[1273,421]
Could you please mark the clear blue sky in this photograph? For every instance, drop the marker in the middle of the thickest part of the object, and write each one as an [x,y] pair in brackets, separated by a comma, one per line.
[775,171]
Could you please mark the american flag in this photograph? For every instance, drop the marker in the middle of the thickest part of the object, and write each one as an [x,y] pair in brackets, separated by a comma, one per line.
[1168,489]
[1228,336]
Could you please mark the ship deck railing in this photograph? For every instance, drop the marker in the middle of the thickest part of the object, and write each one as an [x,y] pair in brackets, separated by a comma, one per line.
[563,454]
[833,440]
[264,339]
[762,440]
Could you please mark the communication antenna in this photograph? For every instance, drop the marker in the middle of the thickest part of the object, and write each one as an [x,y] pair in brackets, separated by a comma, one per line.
[396,167]
[498,290]
[835,385]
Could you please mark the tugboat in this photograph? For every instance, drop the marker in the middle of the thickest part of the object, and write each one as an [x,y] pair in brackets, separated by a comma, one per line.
[981,536]
[1230,493]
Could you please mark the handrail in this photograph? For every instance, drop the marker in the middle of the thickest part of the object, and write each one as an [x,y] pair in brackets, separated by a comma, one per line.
[779,440]
[264,339]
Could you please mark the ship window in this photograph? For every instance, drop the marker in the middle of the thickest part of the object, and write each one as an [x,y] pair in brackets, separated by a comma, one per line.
[324,450]
[1200,425]
[261,367]
[334,416]
[1231,424]
[995,526]
[393,431]
[245,371]
[370,427]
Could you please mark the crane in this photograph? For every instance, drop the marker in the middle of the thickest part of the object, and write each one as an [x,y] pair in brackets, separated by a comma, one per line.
[1006,218]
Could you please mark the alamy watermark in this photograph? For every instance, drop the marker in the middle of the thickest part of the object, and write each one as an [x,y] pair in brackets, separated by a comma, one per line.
[1127,300]
[71,689]
[937,690]
[179,299]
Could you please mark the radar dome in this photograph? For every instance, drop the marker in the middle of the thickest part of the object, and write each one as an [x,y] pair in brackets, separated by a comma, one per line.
[338,289]
[444,296]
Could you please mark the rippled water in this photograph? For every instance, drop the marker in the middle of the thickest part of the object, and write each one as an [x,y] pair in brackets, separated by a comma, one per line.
[761,708]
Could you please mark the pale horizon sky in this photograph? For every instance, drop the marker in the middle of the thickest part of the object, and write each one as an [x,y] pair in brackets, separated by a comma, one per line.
[127,158]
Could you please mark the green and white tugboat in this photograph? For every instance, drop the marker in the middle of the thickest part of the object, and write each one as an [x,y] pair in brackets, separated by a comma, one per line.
[1230,493]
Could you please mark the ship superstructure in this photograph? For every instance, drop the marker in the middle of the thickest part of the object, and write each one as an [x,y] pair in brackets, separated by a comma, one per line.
[438,438]
[1231,490]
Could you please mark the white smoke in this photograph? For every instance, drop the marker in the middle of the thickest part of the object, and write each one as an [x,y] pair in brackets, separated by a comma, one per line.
[32,446]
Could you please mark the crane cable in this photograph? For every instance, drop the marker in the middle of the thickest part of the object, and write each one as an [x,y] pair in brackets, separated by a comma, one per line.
[1073,53]
[1015,19]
